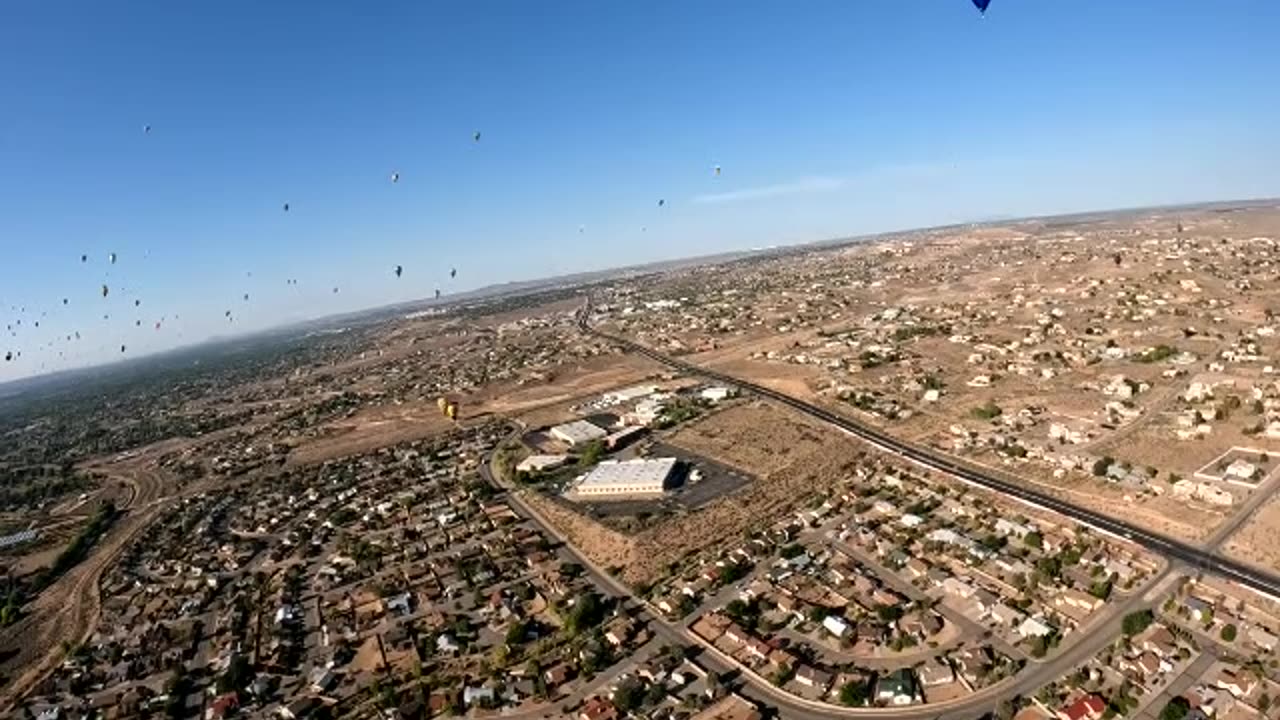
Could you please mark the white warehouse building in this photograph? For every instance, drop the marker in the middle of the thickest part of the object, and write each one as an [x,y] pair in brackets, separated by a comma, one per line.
[641,476]
[577,433]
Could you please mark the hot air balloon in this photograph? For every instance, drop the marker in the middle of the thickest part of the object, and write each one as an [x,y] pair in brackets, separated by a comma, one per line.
[8,357]
[399,271]
[146,129]
[286,207]
[661,203]
[112,258]
[981,5]
[452,411]
[437,293]
[717,171]
[105,290]
[136,303]
[64,301]
[442,404]
[84,258]
[122,348]
[395,177]
[246,297]
[476,137]
[335,291]
[453,272]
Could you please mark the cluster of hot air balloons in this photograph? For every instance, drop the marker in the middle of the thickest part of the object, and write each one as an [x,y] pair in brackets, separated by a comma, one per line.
[447,407]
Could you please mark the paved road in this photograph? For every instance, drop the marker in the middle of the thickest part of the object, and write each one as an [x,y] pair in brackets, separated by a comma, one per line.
[1233,570]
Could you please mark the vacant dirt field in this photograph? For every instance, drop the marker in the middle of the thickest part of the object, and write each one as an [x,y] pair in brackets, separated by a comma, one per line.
[570,383]
[1258,542]
[371,429]
[757,438]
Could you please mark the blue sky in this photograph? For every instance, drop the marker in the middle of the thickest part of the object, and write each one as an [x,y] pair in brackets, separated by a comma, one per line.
[828,117]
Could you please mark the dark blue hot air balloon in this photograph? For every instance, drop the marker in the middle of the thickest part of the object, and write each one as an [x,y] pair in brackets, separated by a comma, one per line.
[981,5]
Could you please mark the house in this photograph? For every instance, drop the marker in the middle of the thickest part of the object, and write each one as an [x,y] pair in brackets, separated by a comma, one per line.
[1003,614]
[482,696]
[957,587]
[1262,639]
[1159,641]
[1008,527]
[812,677]
[1089,707]
[558,674]
[916,568]
[223,706]
[619,631]
[322,678]
[731,707]
[716,393]
[1072,599]
[1150,664]
[401,604]
[1034,627]
[897,688]
[836,625]
[300,708]
[1241,470]
[1239,684]
[934,673]
[1198,608]
[598,708]
[445,643]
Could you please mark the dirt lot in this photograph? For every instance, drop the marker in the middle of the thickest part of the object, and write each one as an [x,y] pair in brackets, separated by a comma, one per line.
[1258,542]
[790,457]
[371,429]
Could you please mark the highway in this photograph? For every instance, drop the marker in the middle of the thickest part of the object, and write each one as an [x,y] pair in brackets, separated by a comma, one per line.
[1184,552]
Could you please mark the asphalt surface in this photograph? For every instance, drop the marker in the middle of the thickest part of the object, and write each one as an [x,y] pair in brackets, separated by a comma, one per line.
[1174,549]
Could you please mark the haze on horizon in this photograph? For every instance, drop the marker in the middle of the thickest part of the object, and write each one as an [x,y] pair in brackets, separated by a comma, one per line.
[839,120]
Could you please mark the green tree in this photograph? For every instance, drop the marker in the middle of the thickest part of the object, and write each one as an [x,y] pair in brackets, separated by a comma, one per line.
[1228,633]
[1175,709]
[586,613]
[628,696]
[854,693]
[791,551]
[889,613]
[1136,622]
[1101,589]
[592,453]
[1033,540]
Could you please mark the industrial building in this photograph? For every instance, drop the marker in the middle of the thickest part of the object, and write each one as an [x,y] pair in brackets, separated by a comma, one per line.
[578,432]
[542,463]
[618,397]
[619,479]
